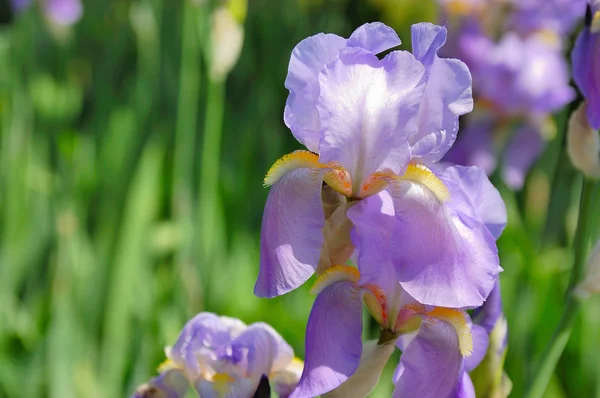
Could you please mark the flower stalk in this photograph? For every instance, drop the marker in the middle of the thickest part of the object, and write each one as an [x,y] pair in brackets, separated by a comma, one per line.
[561,336]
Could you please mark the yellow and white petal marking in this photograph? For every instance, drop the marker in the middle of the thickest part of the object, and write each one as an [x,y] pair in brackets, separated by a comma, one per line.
[335,176]
[418,173]
[595,27]
[454,317]
[337,273]
[291,161]
[222,383]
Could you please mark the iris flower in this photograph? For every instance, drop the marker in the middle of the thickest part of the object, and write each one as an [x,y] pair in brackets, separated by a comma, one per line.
[439,343]
[586,62]
[222,357]
[374,125]
[520,82]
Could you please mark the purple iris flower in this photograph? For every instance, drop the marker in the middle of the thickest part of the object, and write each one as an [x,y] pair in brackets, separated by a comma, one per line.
[222,357]
[519,76]
[63,12]
[586,62]
[558,16]
[519,80]
[439,343]
[20,5]
[373,126]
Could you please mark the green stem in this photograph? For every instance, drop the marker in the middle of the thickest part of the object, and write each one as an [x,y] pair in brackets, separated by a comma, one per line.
[208,210]
[563,331]
[185,134]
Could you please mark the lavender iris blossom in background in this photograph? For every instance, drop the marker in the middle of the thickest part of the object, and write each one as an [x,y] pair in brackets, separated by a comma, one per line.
[586,63]
[440,344]
[221,356]
[558,16]
[367,145]
[63,12]
[60,12]
[519,80]
[20,5]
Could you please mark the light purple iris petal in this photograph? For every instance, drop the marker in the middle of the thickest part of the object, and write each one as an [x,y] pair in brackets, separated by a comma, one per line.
[266,350]
[480,346]
[523,150]
[474,147]
[308,58]
[446,258]
[472,193]
[373,220]
[291,235]
[240,387]
[447,95]
[431,365]
[586,72]
[169,384]
[365,105]
[63,12]
[374,37]
[204,336]
[333,340]
[465,388]
[489,313]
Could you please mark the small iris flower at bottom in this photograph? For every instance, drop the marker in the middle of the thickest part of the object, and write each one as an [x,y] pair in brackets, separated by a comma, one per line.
[440,345]
[222,357]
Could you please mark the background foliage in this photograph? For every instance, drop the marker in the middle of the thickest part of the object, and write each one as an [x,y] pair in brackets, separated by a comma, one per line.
[131,196]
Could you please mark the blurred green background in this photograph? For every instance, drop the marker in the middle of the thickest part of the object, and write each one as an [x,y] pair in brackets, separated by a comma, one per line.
[131,195]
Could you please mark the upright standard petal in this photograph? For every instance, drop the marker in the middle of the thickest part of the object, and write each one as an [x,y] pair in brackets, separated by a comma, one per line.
[291,234]
[431,365]
[365,105]
[446,258]
[204,336]
[472,193]
[307,60]
[447,95]
[374,37]
[333,340]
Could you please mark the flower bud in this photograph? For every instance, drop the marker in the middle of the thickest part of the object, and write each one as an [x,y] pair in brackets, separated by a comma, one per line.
[583,144]
[227,37]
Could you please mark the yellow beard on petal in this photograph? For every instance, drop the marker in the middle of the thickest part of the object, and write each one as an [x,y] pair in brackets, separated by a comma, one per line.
[337,273]
[454,317]
[335,176]
[458,320]
[221,383]
[422,175]
[289,162]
